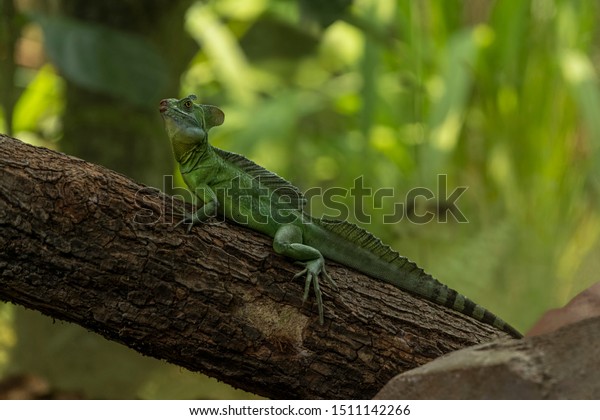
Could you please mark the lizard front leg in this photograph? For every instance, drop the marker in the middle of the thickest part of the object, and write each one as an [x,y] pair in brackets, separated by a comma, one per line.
[288,241]
[207,196]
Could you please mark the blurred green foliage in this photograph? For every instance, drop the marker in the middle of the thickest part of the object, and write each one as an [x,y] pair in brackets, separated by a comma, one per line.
[500,96]
[104,59]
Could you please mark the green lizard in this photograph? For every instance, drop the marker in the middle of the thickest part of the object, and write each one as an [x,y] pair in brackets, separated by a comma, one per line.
[228,184]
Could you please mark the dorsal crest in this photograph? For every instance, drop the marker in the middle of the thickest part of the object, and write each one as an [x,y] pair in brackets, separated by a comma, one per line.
[272,181]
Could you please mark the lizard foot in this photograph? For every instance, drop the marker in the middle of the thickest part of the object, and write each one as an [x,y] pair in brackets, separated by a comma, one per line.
[189,219]
[313,269]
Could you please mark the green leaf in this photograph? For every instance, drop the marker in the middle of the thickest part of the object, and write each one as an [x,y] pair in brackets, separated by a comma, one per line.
[42,98]
[105,60]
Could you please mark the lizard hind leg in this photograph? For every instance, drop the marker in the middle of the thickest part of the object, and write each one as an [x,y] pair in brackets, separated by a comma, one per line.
[288,242]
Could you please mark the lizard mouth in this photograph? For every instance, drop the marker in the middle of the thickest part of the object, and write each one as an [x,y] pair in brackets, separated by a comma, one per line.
[163,106]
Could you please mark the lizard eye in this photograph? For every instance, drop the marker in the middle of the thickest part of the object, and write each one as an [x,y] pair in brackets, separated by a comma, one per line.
[188,104]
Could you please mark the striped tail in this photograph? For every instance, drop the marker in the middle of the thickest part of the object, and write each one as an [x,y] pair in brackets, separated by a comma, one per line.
[366,253]
[450,298]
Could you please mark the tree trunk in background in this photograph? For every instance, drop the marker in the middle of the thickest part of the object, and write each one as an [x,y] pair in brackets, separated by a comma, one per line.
[9,33]
[131,140]
[107,130]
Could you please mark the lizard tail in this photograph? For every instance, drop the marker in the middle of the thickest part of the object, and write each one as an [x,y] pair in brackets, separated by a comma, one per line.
[452,299]
[366,253]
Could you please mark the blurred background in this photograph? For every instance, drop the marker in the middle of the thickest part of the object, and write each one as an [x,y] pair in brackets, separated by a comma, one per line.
[501,96]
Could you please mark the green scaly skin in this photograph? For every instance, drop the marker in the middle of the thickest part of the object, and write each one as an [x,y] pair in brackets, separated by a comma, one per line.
[229,185]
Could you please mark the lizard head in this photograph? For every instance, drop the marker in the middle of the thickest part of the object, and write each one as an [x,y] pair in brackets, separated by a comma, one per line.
[187,123]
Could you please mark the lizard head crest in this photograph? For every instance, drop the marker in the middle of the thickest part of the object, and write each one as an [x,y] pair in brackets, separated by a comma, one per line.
[187,122]
[187,111]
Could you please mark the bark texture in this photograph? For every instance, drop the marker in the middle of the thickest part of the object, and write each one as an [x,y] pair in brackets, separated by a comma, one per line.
[82,243]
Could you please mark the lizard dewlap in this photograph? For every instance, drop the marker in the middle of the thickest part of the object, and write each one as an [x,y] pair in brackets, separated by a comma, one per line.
[228,184]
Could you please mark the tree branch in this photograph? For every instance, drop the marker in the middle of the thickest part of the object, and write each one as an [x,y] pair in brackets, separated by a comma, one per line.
[82,243]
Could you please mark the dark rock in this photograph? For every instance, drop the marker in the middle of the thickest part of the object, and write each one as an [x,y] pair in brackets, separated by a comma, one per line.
[564,364]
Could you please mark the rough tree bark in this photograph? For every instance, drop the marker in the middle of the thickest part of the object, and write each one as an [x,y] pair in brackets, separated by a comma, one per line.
[84,244]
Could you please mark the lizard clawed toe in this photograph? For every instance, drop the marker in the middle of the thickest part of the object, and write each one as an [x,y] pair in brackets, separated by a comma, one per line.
[313,270]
